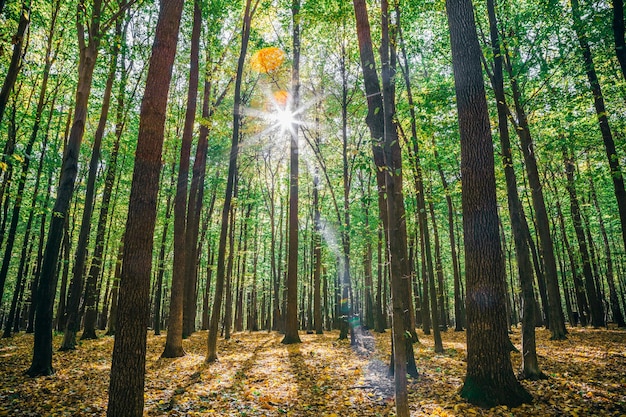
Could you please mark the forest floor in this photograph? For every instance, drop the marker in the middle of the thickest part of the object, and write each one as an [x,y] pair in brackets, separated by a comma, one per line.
[322,377]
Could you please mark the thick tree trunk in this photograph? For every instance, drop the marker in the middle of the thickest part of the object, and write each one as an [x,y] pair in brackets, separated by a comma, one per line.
[126,388]
[490,380]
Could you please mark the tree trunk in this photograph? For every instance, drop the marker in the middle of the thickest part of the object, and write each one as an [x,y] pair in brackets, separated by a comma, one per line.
[291,313]
[99,250]
[556,321]
[42,349]
[598,100]
[232,167]
[192,219]
[530,363]
[597,310]
[16,62]
[490,380]
[126,388]
[618,317]
[382,130]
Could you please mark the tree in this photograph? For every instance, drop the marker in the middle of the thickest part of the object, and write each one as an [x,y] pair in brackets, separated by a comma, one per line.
[129,351]
[232,169]
[291,315]
[489,380]
[175,325]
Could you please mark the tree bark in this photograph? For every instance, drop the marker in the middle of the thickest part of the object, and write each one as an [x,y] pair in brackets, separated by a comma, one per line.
[490,380]
[232,167]
[291,314]
[126,388]
[530,363]
[601,111]
[597,310]
[16,62]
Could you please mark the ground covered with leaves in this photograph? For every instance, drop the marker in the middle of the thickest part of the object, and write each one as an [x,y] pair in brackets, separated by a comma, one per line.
[258,376]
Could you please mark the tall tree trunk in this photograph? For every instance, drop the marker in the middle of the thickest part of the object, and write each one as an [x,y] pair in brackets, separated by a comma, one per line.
[597,310]
[42,349]
[192,218]
[619,32]
[16,61]
[126,388]
[174,341]
[73,319]
[317,261]
[232,167]
[579,289]
[17,204]
[530,363]
[618,317]
[158,292]
[381,129]
[291,313]
[99,250]
[419,188]
[490,380]
[598,100]
[556,321]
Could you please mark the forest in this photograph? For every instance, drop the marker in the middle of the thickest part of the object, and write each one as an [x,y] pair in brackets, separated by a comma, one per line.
[312,208]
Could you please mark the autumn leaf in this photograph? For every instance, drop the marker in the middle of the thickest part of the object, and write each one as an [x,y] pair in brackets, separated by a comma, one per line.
[267,60]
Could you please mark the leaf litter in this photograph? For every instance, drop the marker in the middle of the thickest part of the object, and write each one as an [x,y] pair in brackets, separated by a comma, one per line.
[256,375]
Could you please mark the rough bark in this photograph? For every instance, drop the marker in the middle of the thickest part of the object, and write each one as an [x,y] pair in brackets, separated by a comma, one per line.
[126,388]
[490,380]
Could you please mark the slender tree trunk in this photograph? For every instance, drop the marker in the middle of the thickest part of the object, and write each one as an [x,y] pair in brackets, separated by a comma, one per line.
[158,296]
[391,209]
[99,250]
[530,363]
[115,292]
[597,310]
[232,167]
[126,388]
[16,62]
[618,317]
[192,221]
[598,99]
[174,341]
[490,379]
[581,297]
[556,321]
[291,313]
[73,320]
[317,255]
[42,349]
